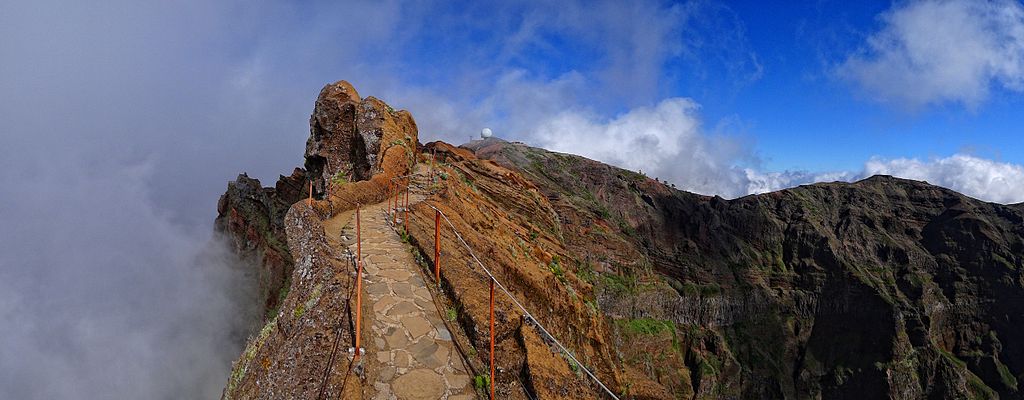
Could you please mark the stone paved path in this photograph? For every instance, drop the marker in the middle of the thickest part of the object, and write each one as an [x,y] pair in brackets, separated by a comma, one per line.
[410,353]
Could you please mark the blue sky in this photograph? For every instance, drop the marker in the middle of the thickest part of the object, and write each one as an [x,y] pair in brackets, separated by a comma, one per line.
[797,101]
[775,96]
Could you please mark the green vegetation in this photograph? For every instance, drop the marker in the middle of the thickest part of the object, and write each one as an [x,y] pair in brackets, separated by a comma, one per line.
[709,366]
[1006,376]
[573,366]
[841,374]
[634,176]
[314,297]
[918,279]
[466,181]
[340,178]
[879,277]
[979,390]
[556,268]
[624,391]
[646,326]
[621,283]
[952,358]
[482,382]
[598,207]
[626,228]
[696,289]
[242,365]
[281,295]
[585,272]
[780,265]
[1002,261]
[450,314]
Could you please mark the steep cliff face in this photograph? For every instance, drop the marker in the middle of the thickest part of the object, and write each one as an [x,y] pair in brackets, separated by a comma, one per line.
[252,217]
[349,137]
[881,288]
[512,228]
[352,140]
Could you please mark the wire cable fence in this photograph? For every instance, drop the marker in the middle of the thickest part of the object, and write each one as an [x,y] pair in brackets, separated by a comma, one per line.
[494,282]
[397,191]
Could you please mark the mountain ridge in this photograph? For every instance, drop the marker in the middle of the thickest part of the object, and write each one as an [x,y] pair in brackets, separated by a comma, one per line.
[884,287]
[766,230]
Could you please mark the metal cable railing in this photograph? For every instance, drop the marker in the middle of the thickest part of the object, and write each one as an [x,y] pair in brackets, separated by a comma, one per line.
[493,282]
[395,190]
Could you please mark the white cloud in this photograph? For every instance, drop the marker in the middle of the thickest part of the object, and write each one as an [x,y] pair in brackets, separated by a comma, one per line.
[976,177]
[941,51]
[665,141]
[100,288]
[764,182]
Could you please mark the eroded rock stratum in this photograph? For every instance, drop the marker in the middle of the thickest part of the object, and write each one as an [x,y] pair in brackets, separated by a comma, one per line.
[883,288]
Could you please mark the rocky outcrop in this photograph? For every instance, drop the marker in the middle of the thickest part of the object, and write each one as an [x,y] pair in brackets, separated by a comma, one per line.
[352,140]
[300,351]
[355,150]
[513,228]
[350,137]
[252,218]
[883,288]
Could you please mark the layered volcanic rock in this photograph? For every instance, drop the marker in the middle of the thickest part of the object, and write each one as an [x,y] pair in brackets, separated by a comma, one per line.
[252,218]
[881,288]
[355,149]
[351,140]
[349,137]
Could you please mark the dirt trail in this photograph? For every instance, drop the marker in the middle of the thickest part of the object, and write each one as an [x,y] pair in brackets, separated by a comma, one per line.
[409,352]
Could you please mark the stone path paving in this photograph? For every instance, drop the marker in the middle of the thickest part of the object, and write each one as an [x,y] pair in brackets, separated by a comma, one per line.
[410,353]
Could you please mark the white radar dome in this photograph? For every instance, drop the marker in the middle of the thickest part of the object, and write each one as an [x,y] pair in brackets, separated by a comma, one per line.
[486,133]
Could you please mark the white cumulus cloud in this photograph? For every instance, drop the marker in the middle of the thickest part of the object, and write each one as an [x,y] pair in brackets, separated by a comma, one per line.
[976,177]
[665,141]
[941,51]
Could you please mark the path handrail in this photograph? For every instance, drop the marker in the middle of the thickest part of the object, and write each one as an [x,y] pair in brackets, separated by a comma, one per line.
[495,281]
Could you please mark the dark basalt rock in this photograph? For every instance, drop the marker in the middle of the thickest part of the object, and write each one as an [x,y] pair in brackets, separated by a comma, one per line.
[252,218]
[882,288]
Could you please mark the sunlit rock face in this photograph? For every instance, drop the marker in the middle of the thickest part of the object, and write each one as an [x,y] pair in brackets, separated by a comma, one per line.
[882,288]
[349,135]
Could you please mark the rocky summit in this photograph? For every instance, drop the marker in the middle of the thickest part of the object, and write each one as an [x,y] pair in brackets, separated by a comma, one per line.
[882,288]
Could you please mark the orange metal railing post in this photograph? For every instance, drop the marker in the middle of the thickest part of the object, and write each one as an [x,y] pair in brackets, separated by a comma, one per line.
[309,202]
[359,284]
[406,210]
[492,338]
[437,247]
